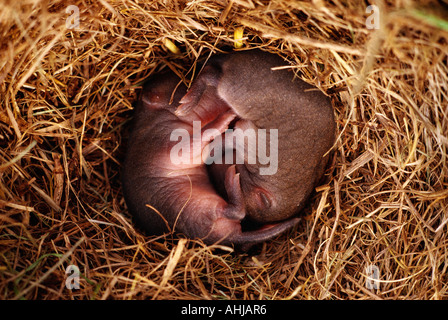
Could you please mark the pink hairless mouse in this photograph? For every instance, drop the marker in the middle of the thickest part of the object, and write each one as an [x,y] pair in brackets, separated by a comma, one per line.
[290,119]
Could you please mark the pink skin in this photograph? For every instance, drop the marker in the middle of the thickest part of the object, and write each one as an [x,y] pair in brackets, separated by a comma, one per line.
[166,197]
[245,84]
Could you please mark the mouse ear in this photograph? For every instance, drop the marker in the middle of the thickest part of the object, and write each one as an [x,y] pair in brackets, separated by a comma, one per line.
[154,100]
[262,199]
[162,91]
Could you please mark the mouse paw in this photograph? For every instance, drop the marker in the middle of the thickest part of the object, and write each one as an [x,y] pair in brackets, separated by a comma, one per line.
[217,127]
[201,96]
[190,100]
[235,210]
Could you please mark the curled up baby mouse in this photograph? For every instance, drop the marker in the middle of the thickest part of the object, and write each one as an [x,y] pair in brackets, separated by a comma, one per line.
[238,103]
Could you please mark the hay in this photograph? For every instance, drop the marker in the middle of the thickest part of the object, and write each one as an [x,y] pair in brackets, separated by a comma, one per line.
[67,96]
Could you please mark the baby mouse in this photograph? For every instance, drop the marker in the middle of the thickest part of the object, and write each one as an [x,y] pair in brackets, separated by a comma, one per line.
[291,119]
[165,195]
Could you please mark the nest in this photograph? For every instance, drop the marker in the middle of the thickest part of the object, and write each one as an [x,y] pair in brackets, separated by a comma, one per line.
[375,229]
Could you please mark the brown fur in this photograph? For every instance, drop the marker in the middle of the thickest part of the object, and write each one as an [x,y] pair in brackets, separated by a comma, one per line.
[167,197]
[267,99]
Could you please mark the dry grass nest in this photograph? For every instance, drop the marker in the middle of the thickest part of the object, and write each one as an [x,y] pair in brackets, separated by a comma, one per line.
[67,96]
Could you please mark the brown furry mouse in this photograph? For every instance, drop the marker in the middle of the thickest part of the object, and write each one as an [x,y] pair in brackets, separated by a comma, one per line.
[298,124]
[165,194]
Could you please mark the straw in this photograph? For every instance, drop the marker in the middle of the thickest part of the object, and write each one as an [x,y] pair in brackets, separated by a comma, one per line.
[67,97]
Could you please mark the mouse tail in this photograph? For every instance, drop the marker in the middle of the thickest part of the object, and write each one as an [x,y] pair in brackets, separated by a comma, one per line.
[247,239]
[229,232]
[228,227]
